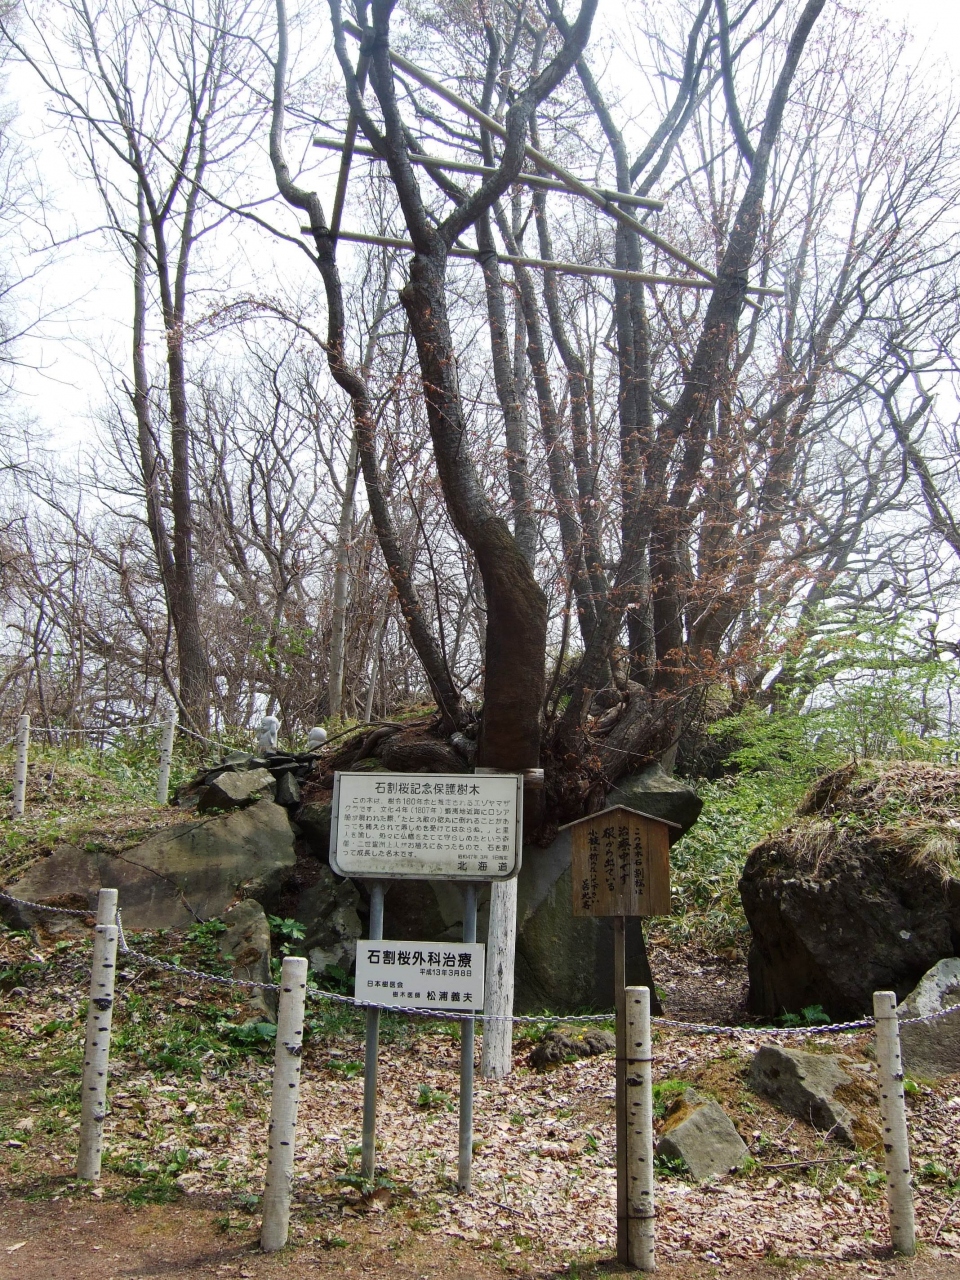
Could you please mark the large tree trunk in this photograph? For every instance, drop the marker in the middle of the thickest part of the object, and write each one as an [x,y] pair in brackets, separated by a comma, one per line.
[516,631]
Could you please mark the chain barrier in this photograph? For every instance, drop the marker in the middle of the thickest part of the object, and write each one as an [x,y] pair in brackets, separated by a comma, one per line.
[332,997]
[103,731]
[39,906]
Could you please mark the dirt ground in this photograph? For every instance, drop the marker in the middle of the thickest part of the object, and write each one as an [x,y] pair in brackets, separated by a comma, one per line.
[87,1240]
[185,1149]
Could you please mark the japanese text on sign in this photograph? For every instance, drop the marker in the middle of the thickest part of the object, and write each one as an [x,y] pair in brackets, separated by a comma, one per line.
[422,975]
[621,864]
[433,827]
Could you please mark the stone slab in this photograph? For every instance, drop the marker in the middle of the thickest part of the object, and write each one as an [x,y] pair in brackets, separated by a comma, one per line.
[700,1133]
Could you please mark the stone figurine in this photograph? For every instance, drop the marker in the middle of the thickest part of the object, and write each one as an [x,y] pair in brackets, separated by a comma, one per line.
[267,734]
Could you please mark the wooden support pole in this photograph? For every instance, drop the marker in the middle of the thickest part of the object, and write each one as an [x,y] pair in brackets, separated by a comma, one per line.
[96,1053]
[20,766]
[496,1060]
[284,1104]
[484,171]
[363,63]
[893,1113]
[166,758]
[639,1135]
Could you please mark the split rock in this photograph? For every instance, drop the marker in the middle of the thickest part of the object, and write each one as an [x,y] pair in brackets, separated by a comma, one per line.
[700,1133]
[190,872]
[328,912]
[413,753]
[656,793]
[246,944]
[314,822]
[233,790]
[813,1087]
[933,1048]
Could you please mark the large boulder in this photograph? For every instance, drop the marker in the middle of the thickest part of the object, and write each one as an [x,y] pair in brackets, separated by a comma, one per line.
[859,895]
[817,1088]
[328,912]
[190,872]
[313,822]
[699,1132]
[932,1048]
[655,792]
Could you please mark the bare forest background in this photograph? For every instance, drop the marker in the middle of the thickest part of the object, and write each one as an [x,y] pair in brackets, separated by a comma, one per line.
[632,520]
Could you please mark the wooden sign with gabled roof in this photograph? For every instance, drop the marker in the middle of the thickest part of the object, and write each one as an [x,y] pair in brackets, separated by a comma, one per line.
[621,863]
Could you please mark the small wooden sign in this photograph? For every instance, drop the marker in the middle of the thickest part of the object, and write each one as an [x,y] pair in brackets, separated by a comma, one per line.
[621,864]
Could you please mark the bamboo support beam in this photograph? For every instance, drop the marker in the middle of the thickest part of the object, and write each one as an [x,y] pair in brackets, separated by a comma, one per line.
[484,171]
[569,180]
[347,151]
[564,268]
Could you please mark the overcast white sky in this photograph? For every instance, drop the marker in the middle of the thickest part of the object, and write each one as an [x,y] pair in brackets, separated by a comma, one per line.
[87,298]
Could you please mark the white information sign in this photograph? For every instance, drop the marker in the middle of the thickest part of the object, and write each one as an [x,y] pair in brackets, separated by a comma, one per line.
[422,975]
[427,826]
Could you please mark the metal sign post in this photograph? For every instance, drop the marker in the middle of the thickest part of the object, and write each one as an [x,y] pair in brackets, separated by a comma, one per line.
[467,1025]
[459,828]
[371,1053]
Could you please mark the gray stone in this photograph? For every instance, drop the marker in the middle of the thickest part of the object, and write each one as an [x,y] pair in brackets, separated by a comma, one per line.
[288,790]
[807,1085]
[932,1049]
[328,912]
[238,759]
[655,792]
[246,944]
[190,872]
[700,1133]
[314,821]
[234,790]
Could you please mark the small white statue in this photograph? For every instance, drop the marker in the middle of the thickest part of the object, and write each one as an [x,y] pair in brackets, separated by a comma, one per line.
[267,734]
[316,738]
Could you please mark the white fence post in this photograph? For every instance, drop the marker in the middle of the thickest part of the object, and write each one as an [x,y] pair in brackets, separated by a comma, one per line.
[96,1053]
[893,1113]
[166,758]
[281,1144]
[20,767]
[639,1108]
